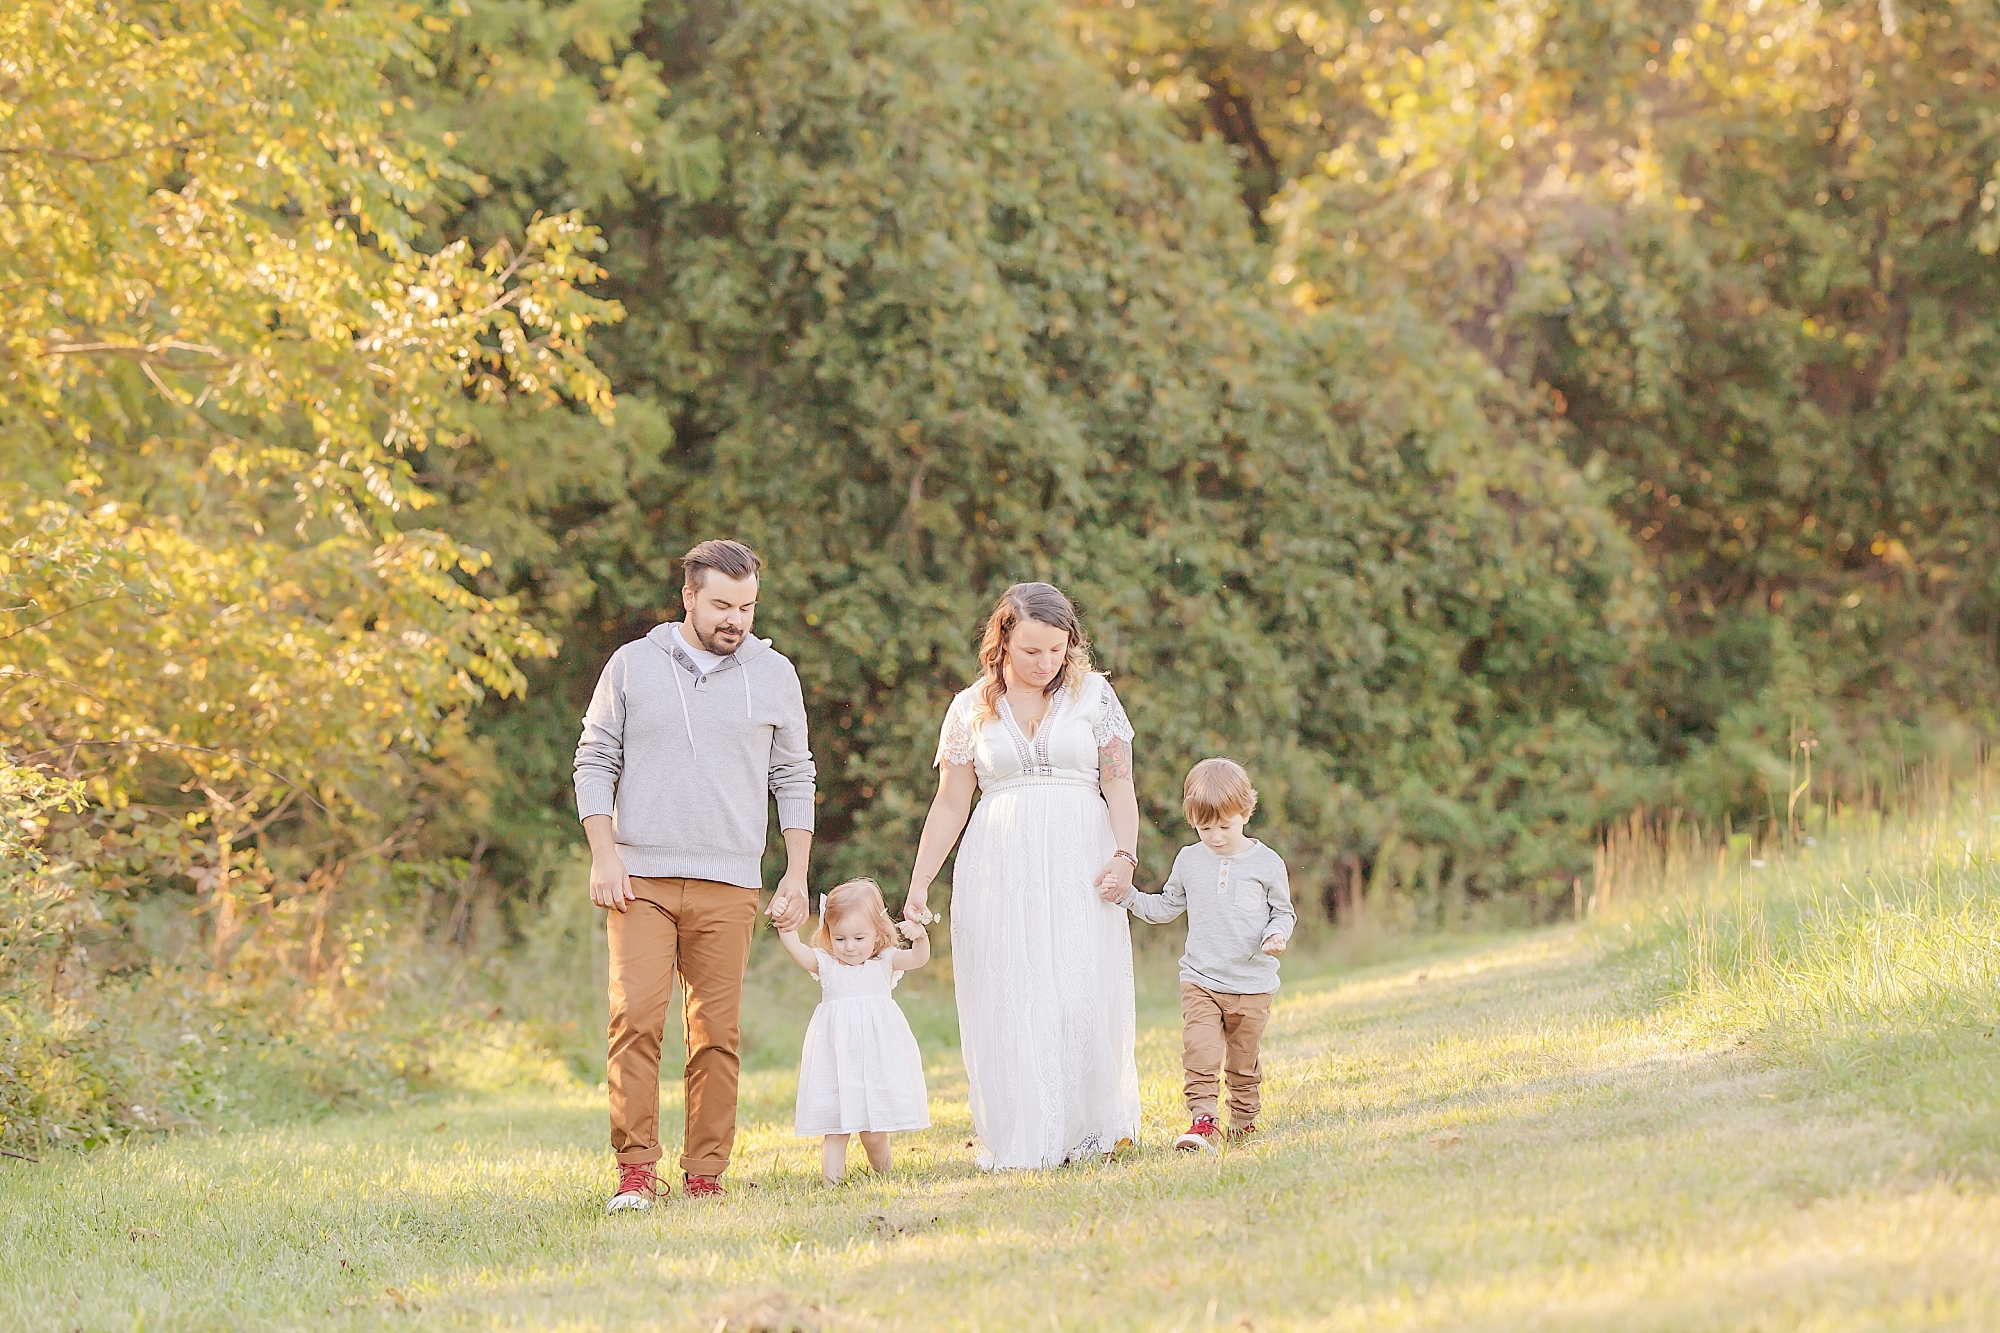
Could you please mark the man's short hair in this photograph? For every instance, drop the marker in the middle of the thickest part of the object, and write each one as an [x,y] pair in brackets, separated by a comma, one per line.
[1215,790]
[731,559]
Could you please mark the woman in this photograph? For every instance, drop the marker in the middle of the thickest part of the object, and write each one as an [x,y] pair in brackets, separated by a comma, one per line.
[1041,963]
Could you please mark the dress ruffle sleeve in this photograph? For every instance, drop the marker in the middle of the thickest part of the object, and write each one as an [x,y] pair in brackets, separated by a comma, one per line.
[1111,724]
[955,737]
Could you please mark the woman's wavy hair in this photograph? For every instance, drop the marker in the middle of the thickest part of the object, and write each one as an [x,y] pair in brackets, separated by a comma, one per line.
[857,897]
[1044,604]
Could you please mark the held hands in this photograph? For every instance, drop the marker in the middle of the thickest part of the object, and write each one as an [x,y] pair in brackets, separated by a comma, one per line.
[789,905]
[1274,945]
[916,908]
[1114,882]
[910,931]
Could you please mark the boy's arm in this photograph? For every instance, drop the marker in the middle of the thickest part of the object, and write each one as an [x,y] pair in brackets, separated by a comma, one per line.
[1281,917]
[1162,907]
[801,955]
[919,952]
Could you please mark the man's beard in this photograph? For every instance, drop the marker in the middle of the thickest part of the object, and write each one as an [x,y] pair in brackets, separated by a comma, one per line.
[712,643]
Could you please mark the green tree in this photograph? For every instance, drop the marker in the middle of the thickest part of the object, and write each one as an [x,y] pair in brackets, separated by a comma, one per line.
[1740,252]
[926,305]
[225,345]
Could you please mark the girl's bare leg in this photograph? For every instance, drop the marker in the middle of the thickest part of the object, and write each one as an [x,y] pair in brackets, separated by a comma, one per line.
[877,1148]
[833,1158]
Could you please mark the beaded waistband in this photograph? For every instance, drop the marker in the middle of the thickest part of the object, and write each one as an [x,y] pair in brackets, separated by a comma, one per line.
[1027,780]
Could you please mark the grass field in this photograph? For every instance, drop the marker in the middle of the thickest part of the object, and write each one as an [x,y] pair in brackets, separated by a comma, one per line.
[1751,1097]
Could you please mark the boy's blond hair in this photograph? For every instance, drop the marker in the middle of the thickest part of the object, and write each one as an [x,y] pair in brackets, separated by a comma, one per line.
[857,897]
[1216,789]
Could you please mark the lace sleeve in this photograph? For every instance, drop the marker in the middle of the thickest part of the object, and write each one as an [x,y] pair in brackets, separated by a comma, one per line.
[955,738]
[1112,724]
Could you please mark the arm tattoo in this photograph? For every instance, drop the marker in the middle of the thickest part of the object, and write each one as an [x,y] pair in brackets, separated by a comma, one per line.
[1115,760]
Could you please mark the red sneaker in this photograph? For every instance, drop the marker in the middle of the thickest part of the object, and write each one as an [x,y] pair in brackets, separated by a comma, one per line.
[638,1186]
[1200,1136]
[702,1187]
[1238,1133]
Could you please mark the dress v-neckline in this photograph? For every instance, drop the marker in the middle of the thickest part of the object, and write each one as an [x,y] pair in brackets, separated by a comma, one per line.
[1033,750]
[1015,722]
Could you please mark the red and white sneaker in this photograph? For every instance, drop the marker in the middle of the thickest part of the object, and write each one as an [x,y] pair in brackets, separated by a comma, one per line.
[1200,1137]
[1239,1133]
[702,1187]
[638,1186]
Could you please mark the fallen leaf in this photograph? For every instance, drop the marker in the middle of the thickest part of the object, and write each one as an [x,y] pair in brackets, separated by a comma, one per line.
[1445,1139]
[143,1233]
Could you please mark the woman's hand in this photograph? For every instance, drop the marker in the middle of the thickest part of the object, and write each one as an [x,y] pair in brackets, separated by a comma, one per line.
[1114,882]
[916,907]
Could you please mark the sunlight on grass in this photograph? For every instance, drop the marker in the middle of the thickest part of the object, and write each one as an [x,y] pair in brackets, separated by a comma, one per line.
[1871,955]
[1584,1128]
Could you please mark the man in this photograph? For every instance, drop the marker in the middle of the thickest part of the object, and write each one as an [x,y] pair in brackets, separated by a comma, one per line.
[688,730]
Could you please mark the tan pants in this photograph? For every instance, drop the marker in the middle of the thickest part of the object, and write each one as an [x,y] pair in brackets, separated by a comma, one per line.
[1219,1032]
[700,929]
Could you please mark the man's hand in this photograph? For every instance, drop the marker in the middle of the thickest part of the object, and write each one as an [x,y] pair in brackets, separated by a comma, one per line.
[1274,945]
[610,886]
[789,905]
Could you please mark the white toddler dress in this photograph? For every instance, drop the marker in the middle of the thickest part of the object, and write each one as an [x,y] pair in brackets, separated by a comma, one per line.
[861,1072]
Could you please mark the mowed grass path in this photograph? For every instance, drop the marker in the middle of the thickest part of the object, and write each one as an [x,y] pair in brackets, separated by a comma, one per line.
[1493,1137]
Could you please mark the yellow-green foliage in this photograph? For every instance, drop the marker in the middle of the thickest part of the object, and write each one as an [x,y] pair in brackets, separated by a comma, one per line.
[1737,252]
[224,333]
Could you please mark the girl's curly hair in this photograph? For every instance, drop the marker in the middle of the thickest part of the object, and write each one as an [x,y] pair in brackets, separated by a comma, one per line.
[857,897]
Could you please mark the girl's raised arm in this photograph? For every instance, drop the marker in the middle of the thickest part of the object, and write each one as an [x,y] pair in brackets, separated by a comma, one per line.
[919,952]
[801,955]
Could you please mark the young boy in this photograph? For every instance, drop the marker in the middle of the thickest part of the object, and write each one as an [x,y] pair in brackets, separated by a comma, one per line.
[1239,905]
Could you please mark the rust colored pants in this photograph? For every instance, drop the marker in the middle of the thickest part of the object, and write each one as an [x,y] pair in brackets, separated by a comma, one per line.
[701,930]
[1219,1033]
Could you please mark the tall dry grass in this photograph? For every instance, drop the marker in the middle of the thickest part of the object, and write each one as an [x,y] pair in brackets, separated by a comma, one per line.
[1863,944]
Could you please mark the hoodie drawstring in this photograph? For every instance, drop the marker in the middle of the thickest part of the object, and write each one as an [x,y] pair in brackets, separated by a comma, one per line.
[687,719]
[680,687]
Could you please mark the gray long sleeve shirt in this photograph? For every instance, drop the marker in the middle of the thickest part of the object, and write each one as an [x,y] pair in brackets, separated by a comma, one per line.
[686,762]
[1233,904]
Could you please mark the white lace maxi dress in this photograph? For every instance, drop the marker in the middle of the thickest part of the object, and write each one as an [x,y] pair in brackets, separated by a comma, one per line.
[1042,965]
[861,1072]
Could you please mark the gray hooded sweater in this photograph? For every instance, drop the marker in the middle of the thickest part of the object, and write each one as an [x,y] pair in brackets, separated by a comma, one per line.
[681,761]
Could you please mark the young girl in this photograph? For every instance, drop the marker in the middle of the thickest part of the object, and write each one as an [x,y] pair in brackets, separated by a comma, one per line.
[861,1072]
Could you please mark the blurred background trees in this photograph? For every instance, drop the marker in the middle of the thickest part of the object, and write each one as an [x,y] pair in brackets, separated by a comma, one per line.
[1740,255]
